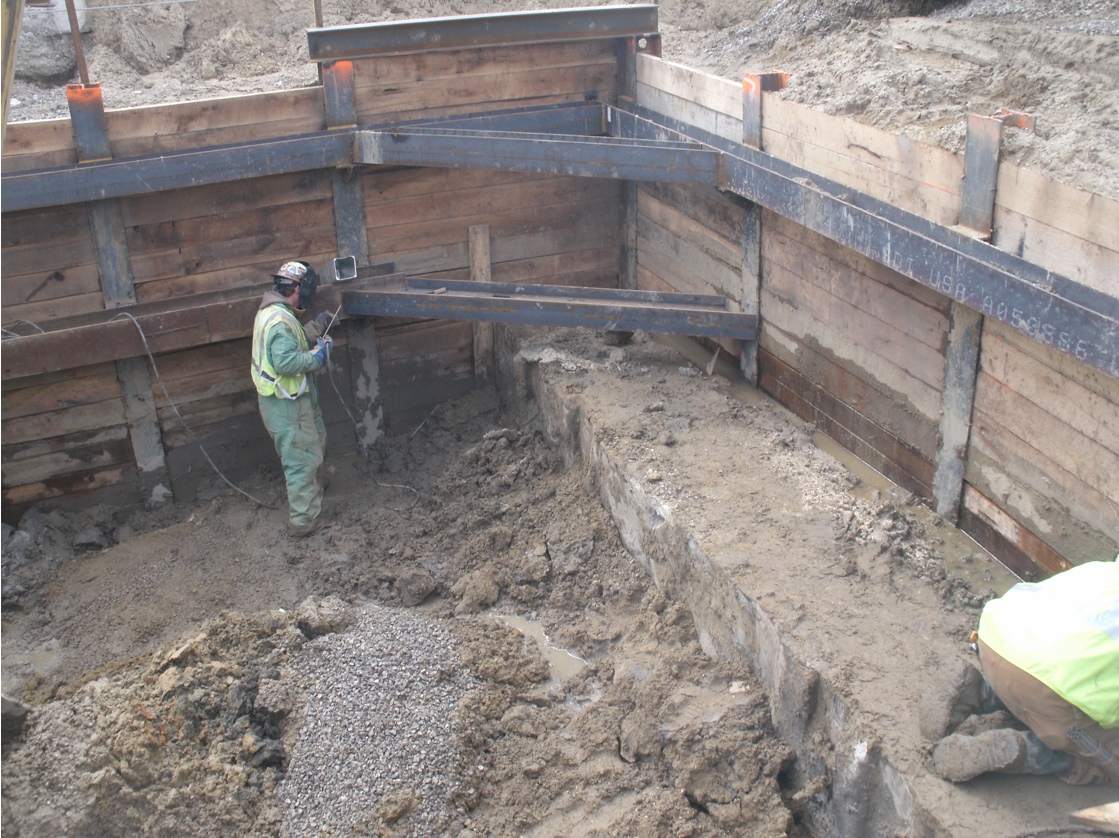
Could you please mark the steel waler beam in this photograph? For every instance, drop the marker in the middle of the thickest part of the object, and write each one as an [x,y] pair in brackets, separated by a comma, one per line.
[555,305]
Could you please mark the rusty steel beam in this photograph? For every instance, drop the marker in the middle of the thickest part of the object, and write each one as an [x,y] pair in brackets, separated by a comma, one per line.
[473,31]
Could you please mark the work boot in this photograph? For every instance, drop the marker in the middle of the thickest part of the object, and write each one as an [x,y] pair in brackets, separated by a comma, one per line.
[960,758]
[960,691]
[302,531]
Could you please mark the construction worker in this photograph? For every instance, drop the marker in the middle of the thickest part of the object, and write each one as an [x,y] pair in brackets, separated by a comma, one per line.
[285,353]
[1050,656]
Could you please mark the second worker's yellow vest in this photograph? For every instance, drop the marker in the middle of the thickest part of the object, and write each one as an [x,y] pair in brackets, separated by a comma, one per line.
[1065,632]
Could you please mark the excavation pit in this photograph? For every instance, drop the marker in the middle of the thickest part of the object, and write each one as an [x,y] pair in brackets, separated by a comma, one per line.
[750,627]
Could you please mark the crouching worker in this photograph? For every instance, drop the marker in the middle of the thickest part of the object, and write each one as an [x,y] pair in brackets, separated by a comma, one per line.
[1050,656]
[285,353]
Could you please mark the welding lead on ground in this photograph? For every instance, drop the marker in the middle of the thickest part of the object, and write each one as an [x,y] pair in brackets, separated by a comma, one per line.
[285,353]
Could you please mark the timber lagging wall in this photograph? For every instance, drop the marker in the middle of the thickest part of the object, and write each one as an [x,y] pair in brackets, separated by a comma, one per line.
[66,432]
[853,346]
[860,350]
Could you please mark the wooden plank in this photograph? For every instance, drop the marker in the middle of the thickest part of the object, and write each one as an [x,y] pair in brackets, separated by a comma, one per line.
[547,243]
[916,432]
[899,312]
[203,413]
[59,395]
[386,184]
[894,382]
[228,226]
[694,267]
[207,385]
[1105,817]
[508,222]
[857,262]
[1037,550]
[1020,462]
[685,110]
[63,444]
[386,70]
[854,327]
[678,223]
[31,382]
[477,202]
[34,228]
[1087,216]
[702,204]
[310,243]
[201,360]
[1083,410]
[68,485]
[1060,362]
[57,465]
[1081,261]
[703,89]
[473,107]
[212,199]
[86,417]
[46,311]
[75,250]
[581,268]
[480,271]
[854,432]
[1081,455]
[50,284]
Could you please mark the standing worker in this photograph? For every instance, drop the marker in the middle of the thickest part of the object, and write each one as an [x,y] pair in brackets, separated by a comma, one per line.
[283,360]
[1050,656]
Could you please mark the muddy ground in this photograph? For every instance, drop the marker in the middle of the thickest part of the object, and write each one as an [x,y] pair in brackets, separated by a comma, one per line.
[152,664]
[165,653]
[915,67]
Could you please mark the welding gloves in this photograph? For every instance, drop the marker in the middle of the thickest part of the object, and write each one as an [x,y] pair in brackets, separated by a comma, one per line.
[322,352]
[317,327]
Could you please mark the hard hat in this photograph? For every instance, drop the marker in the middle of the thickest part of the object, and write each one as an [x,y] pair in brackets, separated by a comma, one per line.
[291,271]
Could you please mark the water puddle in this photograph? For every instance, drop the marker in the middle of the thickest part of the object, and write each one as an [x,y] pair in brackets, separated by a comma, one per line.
[562,664]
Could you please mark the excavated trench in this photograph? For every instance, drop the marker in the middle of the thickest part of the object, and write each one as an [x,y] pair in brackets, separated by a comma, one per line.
[756,626]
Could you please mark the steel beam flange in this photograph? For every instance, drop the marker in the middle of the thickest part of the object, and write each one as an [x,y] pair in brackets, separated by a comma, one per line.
[472,31]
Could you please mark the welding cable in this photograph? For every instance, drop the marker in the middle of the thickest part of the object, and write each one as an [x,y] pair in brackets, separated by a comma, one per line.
[8,333]
[175,408]
[364,450]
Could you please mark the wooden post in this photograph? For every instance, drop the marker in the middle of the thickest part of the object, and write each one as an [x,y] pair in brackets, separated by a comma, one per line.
[961,364]
[627,253]
[480,271]
[107,225]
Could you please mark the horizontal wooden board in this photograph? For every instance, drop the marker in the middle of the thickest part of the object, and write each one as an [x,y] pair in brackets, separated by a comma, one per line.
[1085,215]
[44,312]
[476,201]
[1065,447]
[378,71]
[1059,362]
[73,391]
[304,242]
[857,262]
[51,284]
[681,225]
[64,444]
[1063,253]
[910,428]
[854,327]
[1040,553]
[513,222]
[228,226]
[580,268]
[683,264]
[685,110]
[85,417]
[34,227]
[59,464]
[704,205]
[69,485]
[897,311]
[76,249]
[895,383]
[859,435]
[1022,462]
[495,91]
[214,199]
[703,89]
[1090,414]
[38,144]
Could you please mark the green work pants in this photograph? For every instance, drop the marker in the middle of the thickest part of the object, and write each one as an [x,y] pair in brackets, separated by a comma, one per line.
[297,429]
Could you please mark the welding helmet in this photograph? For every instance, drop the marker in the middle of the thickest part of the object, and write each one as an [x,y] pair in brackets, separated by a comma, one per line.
[298,273]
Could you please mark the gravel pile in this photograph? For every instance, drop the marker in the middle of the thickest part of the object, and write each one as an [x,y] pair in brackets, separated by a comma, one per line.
[379,741]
